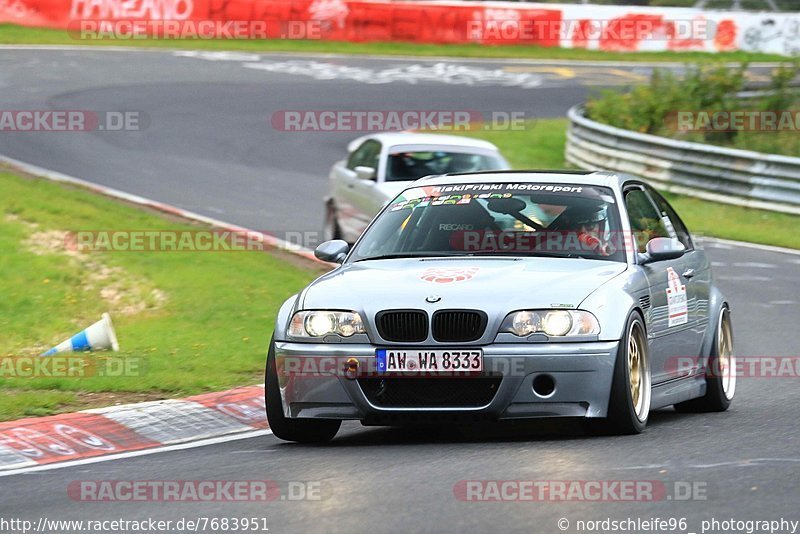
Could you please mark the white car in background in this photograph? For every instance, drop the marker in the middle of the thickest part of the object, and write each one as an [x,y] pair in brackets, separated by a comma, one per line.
[379,166]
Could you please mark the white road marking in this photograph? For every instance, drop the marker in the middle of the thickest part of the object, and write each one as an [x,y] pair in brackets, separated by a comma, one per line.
[729,244]
[744,278]
[752,462]
[134,454]
[755,265]
[441,72]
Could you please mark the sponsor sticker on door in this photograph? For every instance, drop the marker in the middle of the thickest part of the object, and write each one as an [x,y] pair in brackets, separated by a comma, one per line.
[676,299]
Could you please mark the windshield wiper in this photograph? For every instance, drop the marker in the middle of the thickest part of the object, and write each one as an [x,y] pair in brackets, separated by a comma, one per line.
[531,254]
[504,253]
[412,255]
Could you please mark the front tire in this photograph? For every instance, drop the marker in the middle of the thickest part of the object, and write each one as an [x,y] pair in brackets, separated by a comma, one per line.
[629,404]
[720,372]
[299,430]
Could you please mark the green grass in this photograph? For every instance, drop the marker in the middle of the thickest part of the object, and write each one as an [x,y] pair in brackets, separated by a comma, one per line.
[541,146]
[206,317]
[14,34]
[653,107]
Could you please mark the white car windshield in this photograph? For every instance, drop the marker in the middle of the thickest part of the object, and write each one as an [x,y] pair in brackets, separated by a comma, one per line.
[518,219]
[410,166]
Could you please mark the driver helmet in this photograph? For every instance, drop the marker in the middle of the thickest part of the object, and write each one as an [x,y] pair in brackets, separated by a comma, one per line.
[589,216]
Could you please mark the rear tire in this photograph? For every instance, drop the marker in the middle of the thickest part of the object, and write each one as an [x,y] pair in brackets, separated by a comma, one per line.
[299,430]
[720,372]
[331,229]
[629,404]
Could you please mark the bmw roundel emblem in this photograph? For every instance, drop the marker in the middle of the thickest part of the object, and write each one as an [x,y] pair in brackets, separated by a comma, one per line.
[433,298]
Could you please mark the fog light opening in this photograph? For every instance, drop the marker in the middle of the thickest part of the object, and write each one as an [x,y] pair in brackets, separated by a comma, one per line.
[544,386]
[351,368]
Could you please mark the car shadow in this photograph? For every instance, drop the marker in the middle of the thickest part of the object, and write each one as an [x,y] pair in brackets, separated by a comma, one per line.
[542,430]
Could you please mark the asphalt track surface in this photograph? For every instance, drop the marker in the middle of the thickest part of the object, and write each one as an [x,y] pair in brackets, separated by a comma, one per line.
[210,148]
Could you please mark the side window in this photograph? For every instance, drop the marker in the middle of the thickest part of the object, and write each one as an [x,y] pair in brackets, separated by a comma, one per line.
[374,155]
[366,155]
[646,223]
[666,211]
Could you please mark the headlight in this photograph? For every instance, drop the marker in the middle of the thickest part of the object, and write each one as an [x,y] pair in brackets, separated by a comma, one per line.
[318,323]
[557,323]
[525,322]
[554,323]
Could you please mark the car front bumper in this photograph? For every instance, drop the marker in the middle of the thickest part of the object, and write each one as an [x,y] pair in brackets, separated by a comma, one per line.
[317,383]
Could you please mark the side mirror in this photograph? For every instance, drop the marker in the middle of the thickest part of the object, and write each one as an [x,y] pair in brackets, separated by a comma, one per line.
[333,251]
[662,248]
[365,173]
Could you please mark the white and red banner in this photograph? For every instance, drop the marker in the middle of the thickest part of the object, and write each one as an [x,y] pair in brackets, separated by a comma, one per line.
[612,28]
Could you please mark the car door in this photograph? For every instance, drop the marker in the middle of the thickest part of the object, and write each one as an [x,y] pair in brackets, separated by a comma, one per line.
[352,194]
[377,194]
[363,192]
[696,275]
[667,319]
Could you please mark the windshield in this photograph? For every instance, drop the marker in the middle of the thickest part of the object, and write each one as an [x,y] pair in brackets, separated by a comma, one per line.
[517,219]
[410,166]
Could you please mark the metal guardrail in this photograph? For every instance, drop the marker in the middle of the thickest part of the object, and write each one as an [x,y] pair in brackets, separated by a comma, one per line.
[732,176]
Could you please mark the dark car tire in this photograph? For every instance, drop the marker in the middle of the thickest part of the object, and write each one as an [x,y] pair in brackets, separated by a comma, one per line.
[629,407]
[720,386]
[299,430]
[331,228]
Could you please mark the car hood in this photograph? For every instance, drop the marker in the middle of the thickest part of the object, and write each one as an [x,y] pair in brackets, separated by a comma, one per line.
[495,285]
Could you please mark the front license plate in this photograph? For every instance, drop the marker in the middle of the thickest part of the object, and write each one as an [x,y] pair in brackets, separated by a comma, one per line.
[433,361]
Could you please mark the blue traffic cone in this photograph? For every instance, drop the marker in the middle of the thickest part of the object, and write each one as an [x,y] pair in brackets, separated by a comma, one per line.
[99,336]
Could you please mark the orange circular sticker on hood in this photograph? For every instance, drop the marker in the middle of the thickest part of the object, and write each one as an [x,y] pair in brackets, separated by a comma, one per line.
[448,275]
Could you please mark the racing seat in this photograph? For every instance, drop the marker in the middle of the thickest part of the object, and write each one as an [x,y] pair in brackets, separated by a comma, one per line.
[448,221]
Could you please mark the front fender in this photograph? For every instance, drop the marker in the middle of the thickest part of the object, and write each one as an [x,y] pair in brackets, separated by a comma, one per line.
[613,302]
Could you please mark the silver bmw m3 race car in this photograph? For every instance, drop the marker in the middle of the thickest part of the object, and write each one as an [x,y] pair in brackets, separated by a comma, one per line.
[505,295]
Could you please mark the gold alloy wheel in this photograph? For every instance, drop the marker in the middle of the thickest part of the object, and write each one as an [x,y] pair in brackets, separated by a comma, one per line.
[638,372]
[726,365]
